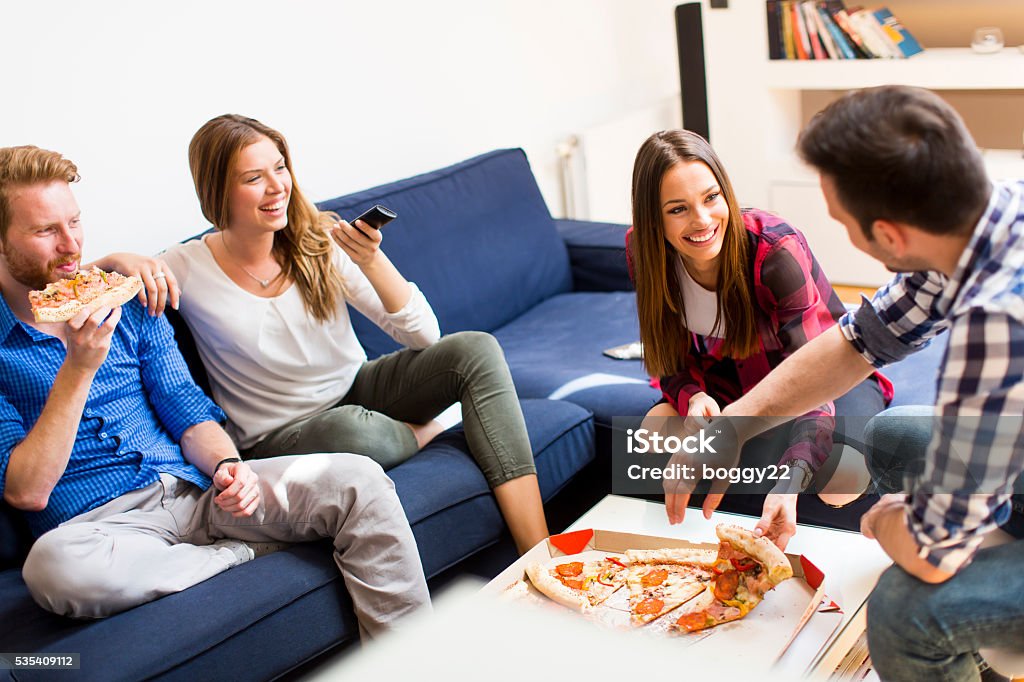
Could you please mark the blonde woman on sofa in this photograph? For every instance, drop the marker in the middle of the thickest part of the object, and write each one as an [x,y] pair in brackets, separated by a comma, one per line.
[724,295]
[265,297]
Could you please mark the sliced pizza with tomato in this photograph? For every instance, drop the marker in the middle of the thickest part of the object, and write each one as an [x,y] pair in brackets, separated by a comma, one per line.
[62,300]
[746,568]
[577,584]
[663,580]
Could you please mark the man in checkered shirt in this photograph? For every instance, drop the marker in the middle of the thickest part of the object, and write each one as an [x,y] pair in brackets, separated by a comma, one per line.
[900,171]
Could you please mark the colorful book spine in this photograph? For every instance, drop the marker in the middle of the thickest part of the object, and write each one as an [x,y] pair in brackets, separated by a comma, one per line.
[905,42]
[774,17]
[842,19]
[817,49]
[864,22]
[838,37]
[788,39]
[826,38]
[802,42]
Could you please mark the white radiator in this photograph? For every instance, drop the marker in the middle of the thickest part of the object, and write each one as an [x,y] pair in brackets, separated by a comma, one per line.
[596,164]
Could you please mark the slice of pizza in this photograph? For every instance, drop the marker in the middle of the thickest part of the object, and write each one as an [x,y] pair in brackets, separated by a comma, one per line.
[746,568]
[63,299]
[577,584]
[664,579]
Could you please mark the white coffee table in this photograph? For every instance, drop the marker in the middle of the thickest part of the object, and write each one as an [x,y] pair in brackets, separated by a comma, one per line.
[851,562]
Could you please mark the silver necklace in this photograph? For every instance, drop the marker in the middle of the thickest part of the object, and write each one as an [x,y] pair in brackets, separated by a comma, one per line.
[263,282]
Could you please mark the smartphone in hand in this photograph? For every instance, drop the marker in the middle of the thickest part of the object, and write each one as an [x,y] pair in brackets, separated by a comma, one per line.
[376,216]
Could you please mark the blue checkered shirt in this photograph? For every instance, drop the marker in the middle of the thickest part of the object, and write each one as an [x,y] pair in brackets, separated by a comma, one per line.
[141,402]
[971,462]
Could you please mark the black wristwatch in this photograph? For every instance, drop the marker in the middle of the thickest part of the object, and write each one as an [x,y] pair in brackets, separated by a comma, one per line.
[226,460]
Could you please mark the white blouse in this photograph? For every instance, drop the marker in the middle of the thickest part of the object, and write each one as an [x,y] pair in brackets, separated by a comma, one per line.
[700,304]
[270,362]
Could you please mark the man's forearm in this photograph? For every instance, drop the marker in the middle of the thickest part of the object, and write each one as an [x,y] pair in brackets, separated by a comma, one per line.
[892,533]
[824,369]
[38,461]
[205,444]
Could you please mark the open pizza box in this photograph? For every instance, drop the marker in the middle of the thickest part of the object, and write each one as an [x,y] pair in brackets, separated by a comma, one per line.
[784,633]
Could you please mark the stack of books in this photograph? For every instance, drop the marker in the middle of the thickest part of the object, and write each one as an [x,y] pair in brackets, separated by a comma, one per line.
[827,29]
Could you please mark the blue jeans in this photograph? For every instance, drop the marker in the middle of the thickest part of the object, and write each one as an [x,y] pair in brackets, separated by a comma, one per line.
[918,631]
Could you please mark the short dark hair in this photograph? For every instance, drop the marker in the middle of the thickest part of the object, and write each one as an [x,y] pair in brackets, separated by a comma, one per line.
[898,153]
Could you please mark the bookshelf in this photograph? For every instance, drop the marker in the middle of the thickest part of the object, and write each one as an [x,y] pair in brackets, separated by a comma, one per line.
[756,109]
[939,68]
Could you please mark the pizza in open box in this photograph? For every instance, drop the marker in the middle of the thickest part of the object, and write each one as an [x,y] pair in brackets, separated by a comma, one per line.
[577,584]
[662,580]
[747,567]
[63,299]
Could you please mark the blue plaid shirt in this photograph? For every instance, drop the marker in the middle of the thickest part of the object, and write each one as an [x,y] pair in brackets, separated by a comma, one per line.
[141,402]
[971,463]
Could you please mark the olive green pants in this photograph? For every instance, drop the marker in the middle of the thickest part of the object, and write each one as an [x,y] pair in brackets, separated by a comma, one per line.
[415,386]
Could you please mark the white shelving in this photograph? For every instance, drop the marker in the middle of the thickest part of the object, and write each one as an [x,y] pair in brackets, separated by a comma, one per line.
[755,112]
[951,68]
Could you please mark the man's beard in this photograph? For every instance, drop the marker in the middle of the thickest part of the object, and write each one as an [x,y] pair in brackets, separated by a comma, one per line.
[33,275]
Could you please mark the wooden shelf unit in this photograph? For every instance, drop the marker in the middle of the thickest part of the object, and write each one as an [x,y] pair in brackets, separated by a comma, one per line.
[755,111]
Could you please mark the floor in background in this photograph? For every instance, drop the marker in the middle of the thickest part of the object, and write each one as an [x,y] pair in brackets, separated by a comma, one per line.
[852,294]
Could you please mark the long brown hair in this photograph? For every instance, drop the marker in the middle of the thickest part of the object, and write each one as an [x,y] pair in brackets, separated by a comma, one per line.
[303,248]
[659,298]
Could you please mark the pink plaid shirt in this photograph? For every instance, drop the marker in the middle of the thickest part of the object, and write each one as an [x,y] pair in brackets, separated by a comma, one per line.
[795,302]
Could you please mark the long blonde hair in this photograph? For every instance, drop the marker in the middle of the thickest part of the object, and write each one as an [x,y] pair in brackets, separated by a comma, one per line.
[659,299]
[304,247]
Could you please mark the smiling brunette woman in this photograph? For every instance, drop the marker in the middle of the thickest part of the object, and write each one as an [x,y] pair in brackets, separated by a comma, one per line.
[723,296]
[265,297]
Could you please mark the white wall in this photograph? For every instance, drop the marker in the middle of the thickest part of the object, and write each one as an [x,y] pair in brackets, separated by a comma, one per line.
[366,92]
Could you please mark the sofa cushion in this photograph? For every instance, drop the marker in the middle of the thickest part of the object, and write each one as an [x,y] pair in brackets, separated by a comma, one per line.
[475,237]
[914,377]
[597,254]
[555,350]
[447,499]
[293,602]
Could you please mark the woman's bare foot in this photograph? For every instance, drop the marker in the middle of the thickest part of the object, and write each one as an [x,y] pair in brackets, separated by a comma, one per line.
[425,433]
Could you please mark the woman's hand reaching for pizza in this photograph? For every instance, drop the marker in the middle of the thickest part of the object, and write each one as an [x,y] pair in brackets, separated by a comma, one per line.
[362,244]
[703,405]
[778,519]
[159,285]
[239,489]
[88,336]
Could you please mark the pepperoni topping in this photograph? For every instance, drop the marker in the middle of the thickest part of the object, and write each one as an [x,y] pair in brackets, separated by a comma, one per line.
[725,586]
[573,583]
[654,578]
[571,569]
[693,621]
[649,606]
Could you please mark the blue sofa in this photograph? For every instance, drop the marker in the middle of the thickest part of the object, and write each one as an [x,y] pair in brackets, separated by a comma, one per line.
[479,241]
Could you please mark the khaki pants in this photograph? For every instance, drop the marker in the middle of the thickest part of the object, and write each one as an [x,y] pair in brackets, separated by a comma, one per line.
[170,535]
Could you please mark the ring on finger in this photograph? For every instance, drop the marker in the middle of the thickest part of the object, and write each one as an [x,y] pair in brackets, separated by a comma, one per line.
[160,275]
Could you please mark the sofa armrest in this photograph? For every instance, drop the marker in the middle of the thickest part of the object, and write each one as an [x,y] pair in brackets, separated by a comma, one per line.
[597,255]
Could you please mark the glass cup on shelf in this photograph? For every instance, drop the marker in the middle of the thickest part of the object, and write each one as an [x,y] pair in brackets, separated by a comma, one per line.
[987,40]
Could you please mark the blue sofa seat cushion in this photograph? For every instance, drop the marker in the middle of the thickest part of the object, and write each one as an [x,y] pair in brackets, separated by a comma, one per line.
[448,504]
[555,350]
[476,237]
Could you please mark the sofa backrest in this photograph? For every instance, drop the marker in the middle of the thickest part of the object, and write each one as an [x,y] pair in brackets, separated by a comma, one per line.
[476,237]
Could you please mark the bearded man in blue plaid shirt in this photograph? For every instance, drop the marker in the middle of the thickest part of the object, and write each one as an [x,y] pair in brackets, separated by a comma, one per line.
[901,173]
[119,461]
